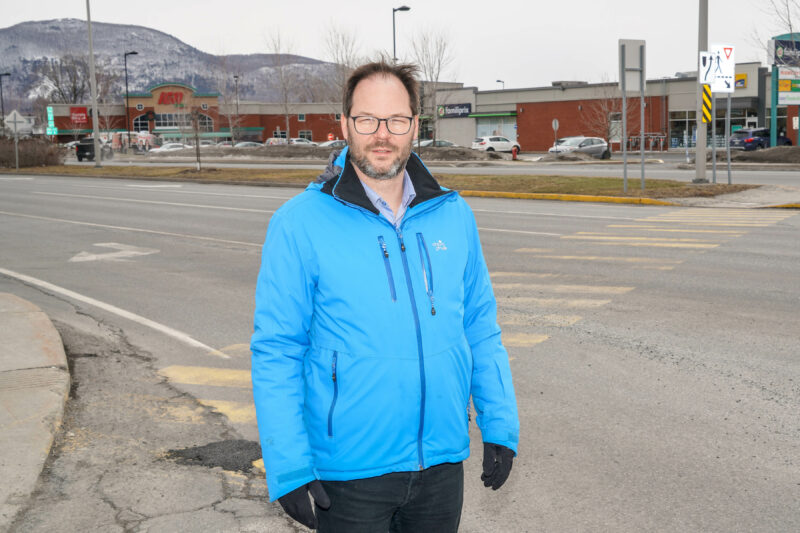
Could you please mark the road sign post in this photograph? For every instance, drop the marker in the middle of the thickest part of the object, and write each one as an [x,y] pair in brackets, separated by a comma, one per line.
[717,74]
[15,118]
[555,131]
[631,75]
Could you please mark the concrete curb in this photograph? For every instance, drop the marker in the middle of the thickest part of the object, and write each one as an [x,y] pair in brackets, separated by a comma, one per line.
[565,197]
[34,387]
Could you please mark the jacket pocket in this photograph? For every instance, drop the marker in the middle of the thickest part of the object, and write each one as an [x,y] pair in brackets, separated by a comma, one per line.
[427,269]
[335,394]
[389,277]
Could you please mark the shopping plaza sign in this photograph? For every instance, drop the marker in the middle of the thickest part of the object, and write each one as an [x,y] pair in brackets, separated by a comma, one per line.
[789,86]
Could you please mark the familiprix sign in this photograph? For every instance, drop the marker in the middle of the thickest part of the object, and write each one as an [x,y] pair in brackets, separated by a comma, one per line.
[78,115]
[171,98]
[789,86]
[454,110]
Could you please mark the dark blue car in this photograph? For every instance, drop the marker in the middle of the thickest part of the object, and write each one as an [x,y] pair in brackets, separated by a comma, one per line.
[755,139]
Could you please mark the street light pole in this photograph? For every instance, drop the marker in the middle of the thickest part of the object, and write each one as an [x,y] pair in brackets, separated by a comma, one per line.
[236,82]
[394,40]
[700,144]
[504,84]
[2,104]
[127,110]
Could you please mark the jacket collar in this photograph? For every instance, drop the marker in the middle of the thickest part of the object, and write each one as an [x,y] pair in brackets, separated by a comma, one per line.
[347,186]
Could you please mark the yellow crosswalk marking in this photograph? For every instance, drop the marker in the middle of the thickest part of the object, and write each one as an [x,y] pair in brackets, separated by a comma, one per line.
[538,320]
[237,412]
[524,275]
[560,288]
[659,244]
[610,258]
[242,350]
[607,237]
[522,340]
[535,250]
[201,375]
[733,233]
[552,302]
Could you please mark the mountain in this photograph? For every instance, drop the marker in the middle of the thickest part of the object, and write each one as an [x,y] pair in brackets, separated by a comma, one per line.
[161,58]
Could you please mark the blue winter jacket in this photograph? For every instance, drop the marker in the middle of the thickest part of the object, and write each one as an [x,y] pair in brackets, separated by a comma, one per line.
[369,340]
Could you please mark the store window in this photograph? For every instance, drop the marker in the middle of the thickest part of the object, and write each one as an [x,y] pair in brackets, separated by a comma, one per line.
[305,134]
[182,121]
[504,126]
[140,123]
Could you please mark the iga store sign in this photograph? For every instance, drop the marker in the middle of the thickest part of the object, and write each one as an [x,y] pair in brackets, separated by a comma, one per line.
[78,115]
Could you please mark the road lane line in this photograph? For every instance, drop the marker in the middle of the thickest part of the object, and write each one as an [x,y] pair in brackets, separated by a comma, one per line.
[236,412]
[561,288]
[580,303]
[156,202]
[585,235]
[520,231]
[126,228]
[523,340]
[184,191]
[602,258]
[551,320]
[166,330]
[733,233]
[538,275]
[549,214]
[203,375]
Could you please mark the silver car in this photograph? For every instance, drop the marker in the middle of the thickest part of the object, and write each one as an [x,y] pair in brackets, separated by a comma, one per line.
[593,146]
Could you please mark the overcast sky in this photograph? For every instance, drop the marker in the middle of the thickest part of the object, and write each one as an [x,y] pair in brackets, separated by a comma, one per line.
[525,43]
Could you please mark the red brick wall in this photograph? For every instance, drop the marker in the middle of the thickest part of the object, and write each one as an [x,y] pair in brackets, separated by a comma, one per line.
[577,117]
[791,111]
[319,124]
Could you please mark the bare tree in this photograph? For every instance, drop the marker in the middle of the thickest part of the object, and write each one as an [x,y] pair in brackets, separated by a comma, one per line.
[65,80]
[341,49]
[432,53]
[229,84]
[286,76]
[603,115]
[785,13]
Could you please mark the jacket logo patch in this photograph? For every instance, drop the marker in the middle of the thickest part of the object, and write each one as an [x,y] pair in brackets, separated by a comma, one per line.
[439,245]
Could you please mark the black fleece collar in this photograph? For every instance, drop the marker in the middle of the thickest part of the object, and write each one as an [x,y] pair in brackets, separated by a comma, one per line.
[348,187]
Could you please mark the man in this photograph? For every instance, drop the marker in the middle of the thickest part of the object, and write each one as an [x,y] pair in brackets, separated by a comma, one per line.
[375,321]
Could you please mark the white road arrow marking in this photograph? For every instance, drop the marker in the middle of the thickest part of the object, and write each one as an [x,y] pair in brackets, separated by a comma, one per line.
[123,253]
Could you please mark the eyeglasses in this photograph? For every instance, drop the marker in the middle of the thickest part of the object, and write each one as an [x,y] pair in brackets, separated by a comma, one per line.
[366,125]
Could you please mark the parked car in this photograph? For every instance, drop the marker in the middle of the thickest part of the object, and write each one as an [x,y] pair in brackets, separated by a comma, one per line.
[85,150]
[338,143]
[301,142]
[593,146]
[207,143]
[247,144]
[275,140]
[440,143]
[71,145]
[494,143]
[755,139]
[170,147]
[225,144]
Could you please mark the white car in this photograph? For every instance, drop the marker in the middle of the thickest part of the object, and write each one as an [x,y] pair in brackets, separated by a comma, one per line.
[301,142]
[494,143]
[170,147]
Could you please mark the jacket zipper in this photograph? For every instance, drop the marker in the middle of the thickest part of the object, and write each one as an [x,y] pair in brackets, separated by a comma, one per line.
[385,254]
[419,347]
[427,271]
[335,394]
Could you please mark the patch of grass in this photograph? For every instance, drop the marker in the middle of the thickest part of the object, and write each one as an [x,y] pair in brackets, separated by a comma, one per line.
[655,188]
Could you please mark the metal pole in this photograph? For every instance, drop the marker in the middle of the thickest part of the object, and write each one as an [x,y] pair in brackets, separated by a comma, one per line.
[93,83]
[624,140]
[236,82]
[16,144]
[641,108]
[394,41]
[2,104]
[127,102]
[728,136]
[773,108]
[700,147]
[713,138]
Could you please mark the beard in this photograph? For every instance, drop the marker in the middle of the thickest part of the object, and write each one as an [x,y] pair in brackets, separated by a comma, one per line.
[359,156]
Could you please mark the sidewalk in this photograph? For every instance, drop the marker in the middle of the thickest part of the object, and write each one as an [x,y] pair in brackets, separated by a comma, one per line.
[34,387]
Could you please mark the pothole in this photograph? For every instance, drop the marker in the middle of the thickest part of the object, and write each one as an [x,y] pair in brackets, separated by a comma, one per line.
[233,455]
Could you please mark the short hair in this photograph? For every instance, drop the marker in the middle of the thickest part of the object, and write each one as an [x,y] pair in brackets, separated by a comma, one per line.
[406,73]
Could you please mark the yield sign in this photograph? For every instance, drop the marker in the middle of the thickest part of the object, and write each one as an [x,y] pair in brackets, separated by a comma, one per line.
[728,51]
[123,253]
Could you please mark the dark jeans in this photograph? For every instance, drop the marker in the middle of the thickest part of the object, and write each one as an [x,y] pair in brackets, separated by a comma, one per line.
[427,501]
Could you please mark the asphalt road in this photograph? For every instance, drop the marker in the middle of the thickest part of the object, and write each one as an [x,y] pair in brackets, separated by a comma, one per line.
[654,349]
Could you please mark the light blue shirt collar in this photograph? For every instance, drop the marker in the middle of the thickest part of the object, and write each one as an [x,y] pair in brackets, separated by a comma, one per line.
[380,204]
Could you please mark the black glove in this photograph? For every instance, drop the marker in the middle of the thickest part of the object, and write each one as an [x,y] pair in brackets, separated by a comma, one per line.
[298,506]
[497,461]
